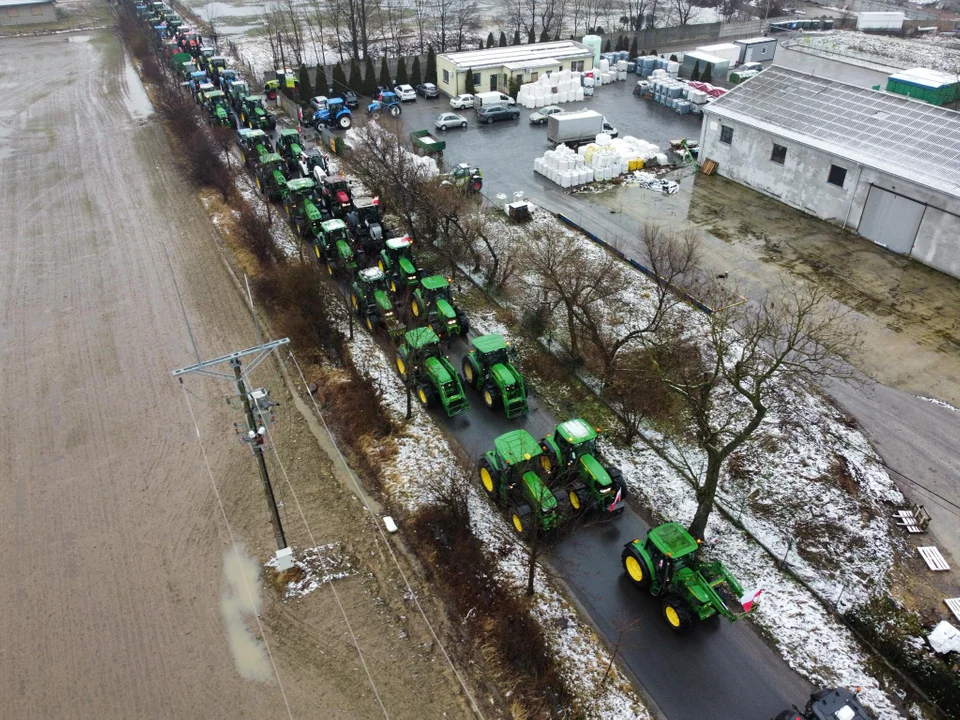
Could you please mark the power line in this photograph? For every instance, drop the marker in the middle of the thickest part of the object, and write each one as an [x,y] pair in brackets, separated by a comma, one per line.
[313,542]
[236,551]
[383,536]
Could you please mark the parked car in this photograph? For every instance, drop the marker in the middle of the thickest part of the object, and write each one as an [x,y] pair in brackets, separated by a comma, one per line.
[493,113]
[446,120]
[428,90]
[406,93]
[460,102]
[349,97]
[541,115]
[318,102]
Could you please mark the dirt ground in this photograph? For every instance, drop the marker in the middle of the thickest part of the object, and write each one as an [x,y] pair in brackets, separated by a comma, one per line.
[114,544]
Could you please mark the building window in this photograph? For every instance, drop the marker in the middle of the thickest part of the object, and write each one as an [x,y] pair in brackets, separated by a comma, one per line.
[779,154]
[578,66]
[534,76]
[726,134]
[446,77]
[476,79]
[13,12]
[837,175]
[36,10]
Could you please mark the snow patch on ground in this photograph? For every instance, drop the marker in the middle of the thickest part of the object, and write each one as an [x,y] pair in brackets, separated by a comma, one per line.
[939,403]
[931,52]
[319,565]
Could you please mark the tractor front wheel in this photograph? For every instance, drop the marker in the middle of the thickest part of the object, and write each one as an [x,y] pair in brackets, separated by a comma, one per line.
[426,395]
[488,479]
[354,301]
[468,374]
[401,367]
[576,502]
[520,518]
[369,321]
[676,613]
[415,307]
[637,571]
[490,398]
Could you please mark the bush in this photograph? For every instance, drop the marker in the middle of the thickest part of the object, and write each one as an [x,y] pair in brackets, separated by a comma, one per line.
[205,166]
[254,233]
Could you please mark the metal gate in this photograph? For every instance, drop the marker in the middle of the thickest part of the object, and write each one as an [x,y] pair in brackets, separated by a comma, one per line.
[891,220]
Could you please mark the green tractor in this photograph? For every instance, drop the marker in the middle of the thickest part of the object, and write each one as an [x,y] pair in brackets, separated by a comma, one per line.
[397,263]
[488,368]
[253,114]
[332,246]
[572,456]
[253,144]
[422,365]
[215,103]
[432,302]
[290,145]
[371,301]
[511,474]
[667,565]
[297,194]
[238,91]
[269,176]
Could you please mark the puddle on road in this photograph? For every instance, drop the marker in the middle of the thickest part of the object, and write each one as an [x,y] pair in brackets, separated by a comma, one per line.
[78,38]
[134,96]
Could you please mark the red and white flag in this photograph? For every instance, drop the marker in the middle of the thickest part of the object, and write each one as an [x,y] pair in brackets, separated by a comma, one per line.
[749,598]
[616,499]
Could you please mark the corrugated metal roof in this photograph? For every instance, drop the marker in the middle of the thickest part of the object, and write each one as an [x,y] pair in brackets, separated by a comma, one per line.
[517,54]
[897,135]
[15,3]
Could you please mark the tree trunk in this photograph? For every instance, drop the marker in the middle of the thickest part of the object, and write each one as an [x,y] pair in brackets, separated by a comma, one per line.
[706,494]
[571,329]
[534,547]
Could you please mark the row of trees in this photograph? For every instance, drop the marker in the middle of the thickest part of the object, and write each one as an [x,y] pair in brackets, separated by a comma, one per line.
[706,381]
[365,82]
[320,31]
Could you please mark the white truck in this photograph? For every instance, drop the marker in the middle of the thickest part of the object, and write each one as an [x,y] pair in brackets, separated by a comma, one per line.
[577,128]
[492,98]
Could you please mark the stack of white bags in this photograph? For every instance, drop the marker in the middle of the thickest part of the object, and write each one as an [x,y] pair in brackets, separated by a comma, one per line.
[555,89]
[604,159]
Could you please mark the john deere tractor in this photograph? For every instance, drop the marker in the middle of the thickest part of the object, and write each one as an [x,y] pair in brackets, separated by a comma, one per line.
[487,368]
[215,103]
[290,145]
[432,302]
[396,261]
[512,476]
[571,455]
[297,195]
[332,246]
[238,91]
[254,114]
[423,365]
[253,144]
[667,565]
[269,176]
[371,301]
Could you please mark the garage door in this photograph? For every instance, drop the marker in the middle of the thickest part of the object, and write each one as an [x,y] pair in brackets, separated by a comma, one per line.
[891,220]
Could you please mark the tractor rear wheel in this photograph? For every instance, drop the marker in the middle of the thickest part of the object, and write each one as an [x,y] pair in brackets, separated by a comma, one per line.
[676,613]
[637,571]
[488,479]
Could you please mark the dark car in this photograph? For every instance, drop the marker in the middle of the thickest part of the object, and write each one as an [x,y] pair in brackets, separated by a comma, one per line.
[428,90]
[827,705]
[491,113]
[350,98]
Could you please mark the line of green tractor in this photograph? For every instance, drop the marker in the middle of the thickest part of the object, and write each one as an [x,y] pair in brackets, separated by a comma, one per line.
[541,485]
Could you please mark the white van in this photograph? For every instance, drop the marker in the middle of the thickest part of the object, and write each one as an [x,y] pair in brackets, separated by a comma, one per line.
[492,98]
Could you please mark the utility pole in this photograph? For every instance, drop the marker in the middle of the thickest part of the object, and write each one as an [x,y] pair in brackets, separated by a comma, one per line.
[254,403]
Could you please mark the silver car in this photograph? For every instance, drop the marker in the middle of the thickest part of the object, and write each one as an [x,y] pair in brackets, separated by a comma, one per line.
[541,115]
[445,120]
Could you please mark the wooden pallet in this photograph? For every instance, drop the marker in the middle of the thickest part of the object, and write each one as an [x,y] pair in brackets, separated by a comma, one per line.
[954,605]
[932,557]
[709,167]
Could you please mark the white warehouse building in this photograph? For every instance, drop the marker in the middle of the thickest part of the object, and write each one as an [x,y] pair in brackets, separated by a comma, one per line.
[885,166]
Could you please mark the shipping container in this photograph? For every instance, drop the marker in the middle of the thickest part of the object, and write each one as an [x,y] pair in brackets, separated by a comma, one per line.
[932,86]
[880,21]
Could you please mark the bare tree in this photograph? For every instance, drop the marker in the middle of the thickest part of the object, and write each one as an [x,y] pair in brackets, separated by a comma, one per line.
[673,259]
[726,371]
[682,10]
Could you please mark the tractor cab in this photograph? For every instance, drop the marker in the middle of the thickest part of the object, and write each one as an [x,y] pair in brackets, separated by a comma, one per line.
[422,363]
[396,261]
[331,112]
[371,301]
[336,194]
[253,113]
[488,367]
[433,301]
[313,164]
[570,453]
[198,78]
[668,565]
[239,89]
[512,476]
[217,64]
[295,195]
[269,176]
[190,43]
[365,223]
[466,177]
[225,78]
[290,145]
[216,104]
[202,89]
[203,59]
[253,144]
[387,101]
[187,69]
[334,246]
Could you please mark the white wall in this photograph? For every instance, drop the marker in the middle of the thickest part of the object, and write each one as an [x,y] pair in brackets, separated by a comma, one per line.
[801,182]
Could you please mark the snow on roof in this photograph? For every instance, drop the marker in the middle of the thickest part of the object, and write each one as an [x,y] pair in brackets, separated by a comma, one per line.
[525,64]
[517,54]
[894,134]
[926,77]
[754,41]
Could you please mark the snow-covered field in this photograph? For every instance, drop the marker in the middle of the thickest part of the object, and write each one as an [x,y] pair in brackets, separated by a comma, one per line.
[934,53]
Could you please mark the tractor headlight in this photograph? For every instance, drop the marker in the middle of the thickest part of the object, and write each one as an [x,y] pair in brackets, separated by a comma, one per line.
[605,491]
[451,322]
[411,277]
[389,313]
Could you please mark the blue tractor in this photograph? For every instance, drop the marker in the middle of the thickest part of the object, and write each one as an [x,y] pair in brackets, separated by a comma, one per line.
[333,113]
[386,102]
